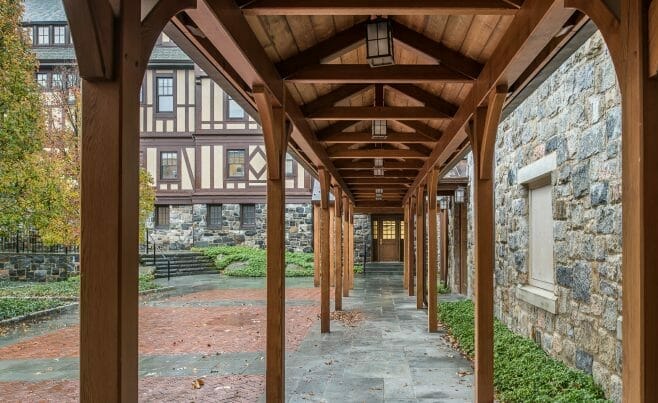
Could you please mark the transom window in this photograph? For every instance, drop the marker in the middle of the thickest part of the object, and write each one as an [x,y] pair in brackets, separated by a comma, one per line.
[236,162]
[248,215]
[289,165]
[43,35]
[169,165]
[165,94]
[235,111]
[161,216]
[214,219]
[59,35]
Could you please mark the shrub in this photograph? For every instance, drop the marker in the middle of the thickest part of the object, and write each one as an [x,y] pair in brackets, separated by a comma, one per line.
[523,372]
[358,269]
[255,261]
[12,307]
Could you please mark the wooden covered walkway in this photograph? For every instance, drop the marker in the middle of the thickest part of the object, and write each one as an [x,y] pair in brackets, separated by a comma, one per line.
[378,99]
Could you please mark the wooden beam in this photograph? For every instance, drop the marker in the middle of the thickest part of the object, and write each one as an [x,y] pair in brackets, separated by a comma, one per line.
[361,165]
[378,153]
[92,24]
[366,138]
[325,183]
[377,113]
[427,98]
[388,173]
[488,146]
[432,264]
[363,73]
[337,127]
[275,134]
[639,198]
[436,51]
[431,133]
[223,23]
[328,100]
[420,247]
[109,225]
[365,7]
[338,250]
[411,233]
[535,25]
[345,222]
[324,51]
[377,180]
[484,234]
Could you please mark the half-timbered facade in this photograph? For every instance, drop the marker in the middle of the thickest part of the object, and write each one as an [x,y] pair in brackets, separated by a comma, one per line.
[204,152]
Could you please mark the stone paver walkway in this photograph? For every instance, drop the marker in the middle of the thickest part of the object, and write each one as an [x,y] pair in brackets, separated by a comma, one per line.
[213,329]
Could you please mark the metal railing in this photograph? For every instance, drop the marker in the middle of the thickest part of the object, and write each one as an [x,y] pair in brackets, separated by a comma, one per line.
[30,242]
[163,257]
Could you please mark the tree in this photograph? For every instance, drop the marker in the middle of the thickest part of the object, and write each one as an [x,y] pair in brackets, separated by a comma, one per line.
[20,122]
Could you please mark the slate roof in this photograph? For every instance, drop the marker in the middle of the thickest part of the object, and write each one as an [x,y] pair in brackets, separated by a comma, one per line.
[43,11]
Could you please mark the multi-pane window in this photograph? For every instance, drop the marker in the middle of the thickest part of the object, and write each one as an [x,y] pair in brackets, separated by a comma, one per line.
[42,79]
[57,81]
[402,230]
[162,216]
[235,111]
[375,229]
[236,162]
[169,165]
[388,229]
[248,215]
[289,165]
[165,94]
[59,35]
[214,215]
[71,80]
[43,35]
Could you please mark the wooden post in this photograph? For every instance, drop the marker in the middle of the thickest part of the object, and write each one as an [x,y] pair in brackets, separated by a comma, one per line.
[346,245]
[109,195]
[324,250]
[275,134]
[432,312]
[420,247]
[332,253]
[411,252]
[640,200]
[338,248]
[316,245]
[444,246]
[351,245]
[405,275]
[483,137]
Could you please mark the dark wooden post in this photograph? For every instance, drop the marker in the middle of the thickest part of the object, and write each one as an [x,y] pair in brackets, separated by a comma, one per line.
[443,225]
[275,134]
[346,240]
[316,245]
[351,245]
[411,234]
[639,19]
[432,313]
[109,195]
[405,274]
[338,248]
[324,250]
[420,247]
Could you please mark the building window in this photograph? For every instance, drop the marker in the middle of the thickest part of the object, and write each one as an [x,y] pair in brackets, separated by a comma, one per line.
[248,215]
[169,165]
[59,35]
[29,35]
[165,94]
[541,238]
[236,162]
[42,80]
[290,171]
[43,35]
[234,110]
[72,80]
[57,81]
[214,219]
[161,216]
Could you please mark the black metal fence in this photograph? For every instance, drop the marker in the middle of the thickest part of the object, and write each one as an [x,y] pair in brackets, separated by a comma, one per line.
[30,242]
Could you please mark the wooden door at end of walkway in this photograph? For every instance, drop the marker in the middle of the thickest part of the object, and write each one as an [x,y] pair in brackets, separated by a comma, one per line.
[387,238]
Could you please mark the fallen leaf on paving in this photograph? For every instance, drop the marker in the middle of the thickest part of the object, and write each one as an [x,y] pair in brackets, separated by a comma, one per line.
[198,383]
[464,373]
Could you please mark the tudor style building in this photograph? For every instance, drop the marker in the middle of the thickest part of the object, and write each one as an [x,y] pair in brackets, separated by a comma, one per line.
[204,152]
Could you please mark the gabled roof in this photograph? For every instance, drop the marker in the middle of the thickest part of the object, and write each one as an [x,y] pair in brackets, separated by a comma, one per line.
[37,11]
[162,55]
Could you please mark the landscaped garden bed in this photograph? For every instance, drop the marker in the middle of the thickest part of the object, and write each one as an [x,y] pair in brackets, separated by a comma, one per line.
[523,372]
[243,261]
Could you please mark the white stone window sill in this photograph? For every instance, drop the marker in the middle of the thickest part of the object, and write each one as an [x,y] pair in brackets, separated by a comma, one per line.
[538,297]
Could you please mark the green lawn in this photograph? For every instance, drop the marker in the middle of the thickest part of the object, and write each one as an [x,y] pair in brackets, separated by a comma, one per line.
[523,372]
[243,261]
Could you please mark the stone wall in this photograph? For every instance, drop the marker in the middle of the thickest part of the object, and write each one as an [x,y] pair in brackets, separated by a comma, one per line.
[362,232]
[188,228]
[575,115]
[38,266]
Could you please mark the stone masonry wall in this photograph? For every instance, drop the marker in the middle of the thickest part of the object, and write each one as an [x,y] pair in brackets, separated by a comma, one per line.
[362,232]
[188,228]
[38,266]
[575,114]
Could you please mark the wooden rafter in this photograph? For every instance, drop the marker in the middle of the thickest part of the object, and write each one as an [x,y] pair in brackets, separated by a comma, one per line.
[423,129]
[378,153]
[390,173]
[425,97]
[388,7]
[532,29]
[337,127]
[366,138]
[362,73]
[360,165]
[377,112]
[328,100]
[436,51]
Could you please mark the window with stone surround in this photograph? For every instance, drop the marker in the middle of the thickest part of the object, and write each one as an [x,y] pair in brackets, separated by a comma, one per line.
[248,215]
[214,219]
[161,216]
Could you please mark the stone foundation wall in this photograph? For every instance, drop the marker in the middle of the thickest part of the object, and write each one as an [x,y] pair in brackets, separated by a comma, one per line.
[575,115]
[188,228]
[38,266]
[362,232]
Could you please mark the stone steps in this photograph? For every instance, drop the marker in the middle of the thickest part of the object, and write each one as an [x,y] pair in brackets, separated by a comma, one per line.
[179,263]
[384,268]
